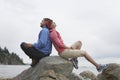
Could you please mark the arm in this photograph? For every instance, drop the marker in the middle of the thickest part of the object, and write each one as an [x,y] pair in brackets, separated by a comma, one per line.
[28,45]
[56,39]
[42,40]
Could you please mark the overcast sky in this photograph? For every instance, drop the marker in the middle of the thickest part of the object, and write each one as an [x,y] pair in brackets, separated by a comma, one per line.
[95,22]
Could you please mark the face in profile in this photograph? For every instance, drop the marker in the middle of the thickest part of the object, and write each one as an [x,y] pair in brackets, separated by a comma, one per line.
[42,23]
[53,25]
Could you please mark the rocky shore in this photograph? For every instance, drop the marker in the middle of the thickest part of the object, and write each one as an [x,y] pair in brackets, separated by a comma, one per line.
[57,68]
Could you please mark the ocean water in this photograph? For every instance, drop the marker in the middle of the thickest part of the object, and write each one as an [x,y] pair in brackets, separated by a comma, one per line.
[9,71]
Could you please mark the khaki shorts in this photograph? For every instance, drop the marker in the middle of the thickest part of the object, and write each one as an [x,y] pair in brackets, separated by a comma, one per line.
[73,53]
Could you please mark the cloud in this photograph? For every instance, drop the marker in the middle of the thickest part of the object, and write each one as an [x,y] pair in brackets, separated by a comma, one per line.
[95,23]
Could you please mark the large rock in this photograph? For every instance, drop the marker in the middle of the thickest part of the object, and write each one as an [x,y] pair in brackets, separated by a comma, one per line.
[111,73]
[51,75]
[88,75]
[59,66]
[74,76]
[5,79]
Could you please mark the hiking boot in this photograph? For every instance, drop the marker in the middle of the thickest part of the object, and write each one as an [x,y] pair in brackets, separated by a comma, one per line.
[34,62]
[102,67]
[75,62]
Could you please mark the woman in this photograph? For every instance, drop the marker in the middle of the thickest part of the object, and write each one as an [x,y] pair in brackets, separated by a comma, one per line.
[73,51]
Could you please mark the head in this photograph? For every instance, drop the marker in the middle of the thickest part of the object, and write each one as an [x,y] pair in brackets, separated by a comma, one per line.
[53,25]
[46,22]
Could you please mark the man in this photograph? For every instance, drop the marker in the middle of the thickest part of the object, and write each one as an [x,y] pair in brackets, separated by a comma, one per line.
[42,47]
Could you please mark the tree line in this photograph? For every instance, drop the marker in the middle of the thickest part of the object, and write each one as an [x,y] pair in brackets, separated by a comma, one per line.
[7,58]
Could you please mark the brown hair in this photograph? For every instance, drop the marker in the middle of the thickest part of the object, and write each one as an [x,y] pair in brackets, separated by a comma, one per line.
[48,22]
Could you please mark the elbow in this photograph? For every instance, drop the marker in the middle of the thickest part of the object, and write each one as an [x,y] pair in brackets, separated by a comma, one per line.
[42,45]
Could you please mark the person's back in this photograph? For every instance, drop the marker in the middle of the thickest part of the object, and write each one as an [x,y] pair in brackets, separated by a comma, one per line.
[44,43]
[42,47]
[72,52]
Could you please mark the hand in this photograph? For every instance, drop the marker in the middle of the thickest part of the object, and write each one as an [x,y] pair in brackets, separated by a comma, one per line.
[66,47]
[72,48]
[27,45]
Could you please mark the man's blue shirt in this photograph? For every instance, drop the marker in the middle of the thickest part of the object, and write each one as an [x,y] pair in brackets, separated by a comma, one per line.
[44,43]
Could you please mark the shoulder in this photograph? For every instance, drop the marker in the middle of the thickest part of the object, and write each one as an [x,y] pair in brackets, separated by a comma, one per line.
[45,30]
[53,31]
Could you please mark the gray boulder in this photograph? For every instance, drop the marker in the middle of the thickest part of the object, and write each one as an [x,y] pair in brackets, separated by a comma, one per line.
[88,75]
[51,75]
[74,76]
[111,73]
[59,66]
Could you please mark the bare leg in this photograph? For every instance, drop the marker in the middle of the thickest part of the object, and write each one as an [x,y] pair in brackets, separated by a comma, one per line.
[77,45]
[89,58]
[98,66]
[80,45]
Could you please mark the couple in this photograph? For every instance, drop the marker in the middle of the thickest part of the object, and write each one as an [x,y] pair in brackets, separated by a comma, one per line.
[43,47]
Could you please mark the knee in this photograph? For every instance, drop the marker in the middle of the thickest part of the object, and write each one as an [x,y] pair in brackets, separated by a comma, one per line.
[80,43]
[22,45]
